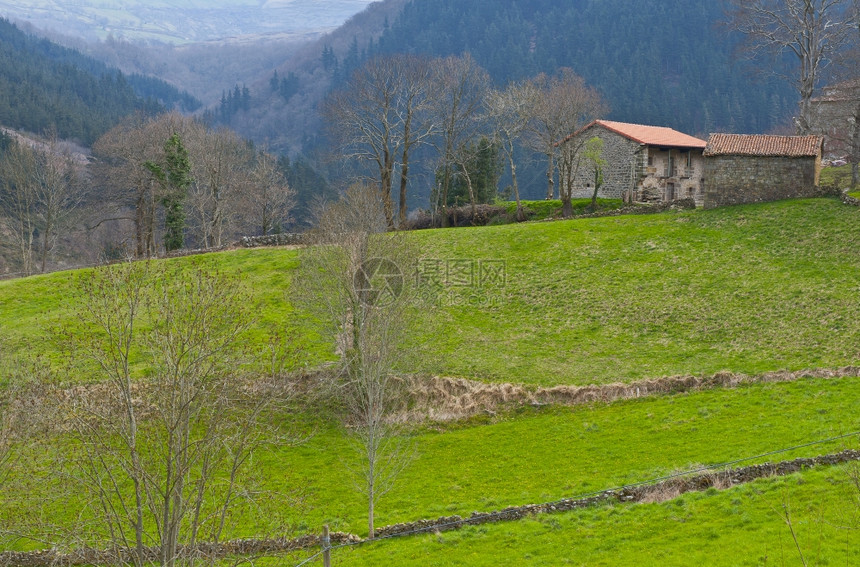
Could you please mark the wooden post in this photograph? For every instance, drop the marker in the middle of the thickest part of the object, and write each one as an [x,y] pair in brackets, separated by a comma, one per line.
[326,544]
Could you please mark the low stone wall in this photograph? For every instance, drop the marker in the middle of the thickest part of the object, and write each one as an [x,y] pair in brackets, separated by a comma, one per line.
[285,239]
[666,489]
[673,487]
[849,200]
[242,547]
[644,209]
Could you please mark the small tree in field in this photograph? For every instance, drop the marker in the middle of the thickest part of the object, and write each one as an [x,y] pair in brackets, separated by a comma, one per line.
[354,278]
[594,157]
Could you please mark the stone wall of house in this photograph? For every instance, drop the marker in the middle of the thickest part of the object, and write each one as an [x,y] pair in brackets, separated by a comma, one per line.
[656,185]
[733,180]
[623,162]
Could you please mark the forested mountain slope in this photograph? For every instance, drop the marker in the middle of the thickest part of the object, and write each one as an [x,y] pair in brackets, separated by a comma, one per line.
[46,86]
[664,62]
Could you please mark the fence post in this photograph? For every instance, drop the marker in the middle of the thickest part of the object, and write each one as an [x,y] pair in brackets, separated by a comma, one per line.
[326,545]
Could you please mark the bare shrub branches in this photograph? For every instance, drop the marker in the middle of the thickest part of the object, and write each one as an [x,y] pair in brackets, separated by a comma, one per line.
[161,457]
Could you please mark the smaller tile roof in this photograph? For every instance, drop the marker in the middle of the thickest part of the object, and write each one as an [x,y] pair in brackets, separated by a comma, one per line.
[650,135]
[763,145]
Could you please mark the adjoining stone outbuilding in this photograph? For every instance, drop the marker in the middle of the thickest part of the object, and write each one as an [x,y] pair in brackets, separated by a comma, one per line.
[643,163]
[746,168]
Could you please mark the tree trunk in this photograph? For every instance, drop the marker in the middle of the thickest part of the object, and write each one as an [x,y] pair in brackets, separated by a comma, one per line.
[387,172]
[521,214]
[550,183]
[45,235]
[855,148]
[139,224]
[404,170]
[472,198]
[566,206]
[371,531]
[446,183]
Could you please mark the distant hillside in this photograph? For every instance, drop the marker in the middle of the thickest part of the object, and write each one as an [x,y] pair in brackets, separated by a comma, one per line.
[291,124]
[183,21]
[666,62]
[47,86]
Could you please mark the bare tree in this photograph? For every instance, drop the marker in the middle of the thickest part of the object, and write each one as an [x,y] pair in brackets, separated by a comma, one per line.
[853,62]
[355,279]
[268,199]
[381,115]
[463,88]
[120,167]
[234,190]
[812,31]
[18,201]
[839,119]
[42,192]
[509,113]
[562,104]
[418,100]
[220,175]
[162,449]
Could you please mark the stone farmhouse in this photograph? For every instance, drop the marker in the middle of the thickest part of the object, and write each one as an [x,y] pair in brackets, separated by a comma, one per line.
[644,163]
[743,168]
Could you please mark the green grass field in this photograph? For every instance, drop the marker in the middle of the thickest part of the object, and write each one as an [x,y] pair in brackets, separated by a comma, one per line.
[548,454]
[747,289]
[551,208]
[739,526]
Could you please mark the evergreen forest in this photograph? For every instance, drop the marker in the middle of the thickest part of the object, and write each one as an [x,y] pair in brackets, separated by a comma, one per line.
[667,62]
[47,87]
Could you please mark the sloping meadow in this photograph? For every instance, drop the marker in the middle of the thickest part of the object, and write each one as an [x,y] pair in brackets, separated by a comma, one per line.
[748,289]
[527,310]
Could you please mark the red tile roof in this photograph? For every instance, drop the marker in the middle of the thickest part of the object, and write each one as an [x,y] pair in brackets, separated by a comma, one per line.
[762,145]
[649,135]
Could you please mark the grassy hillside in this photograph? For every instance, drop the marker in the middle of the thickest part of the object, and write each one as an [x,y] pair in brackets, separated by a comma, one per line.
[750,289]
[747,289]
